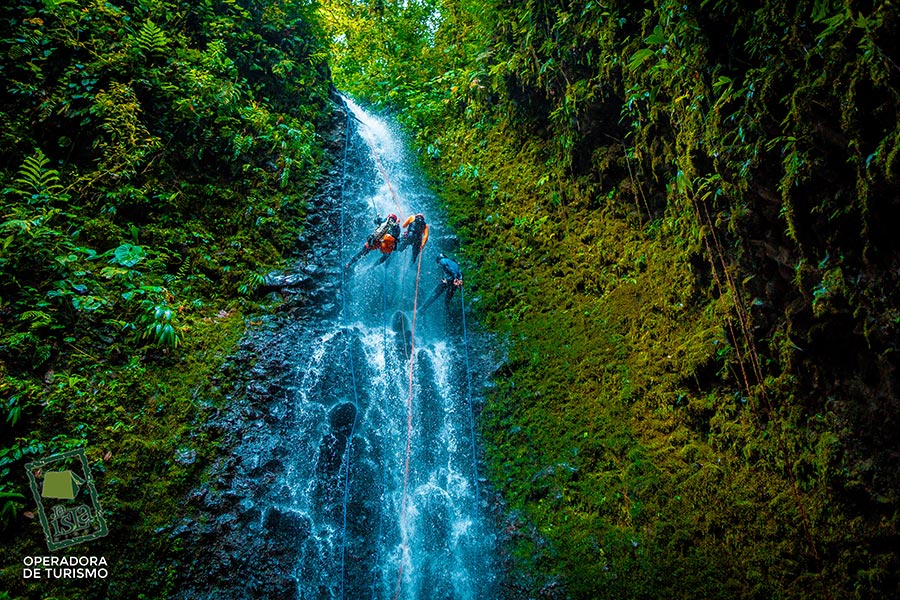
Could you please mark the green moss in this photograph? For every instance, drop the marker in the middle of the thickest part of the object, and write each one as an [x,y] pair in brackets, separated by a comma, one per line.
[669,214]
[139,422]
[151,177]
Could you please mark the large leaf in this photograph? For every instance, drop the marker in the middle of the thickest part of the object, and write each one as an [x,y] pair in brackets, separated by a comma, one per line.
[129,255]
[638,58]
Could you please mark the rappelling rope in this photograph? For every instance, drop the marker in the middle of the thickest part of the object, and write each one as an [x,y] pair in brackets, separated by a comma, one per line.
[384,174]
[469,392]
[412,359]
[409,415]
[462,298]
[346,461]
[383,444]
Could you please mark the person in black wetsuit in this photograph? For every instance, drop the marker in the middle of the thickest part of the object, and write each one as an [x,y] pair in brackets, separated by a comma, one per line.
[415,236]
[451,279]
[384,238]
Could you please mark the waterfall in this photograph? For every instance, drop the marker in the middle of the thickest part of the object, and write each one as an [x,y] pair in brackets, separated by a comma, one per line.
[388,510]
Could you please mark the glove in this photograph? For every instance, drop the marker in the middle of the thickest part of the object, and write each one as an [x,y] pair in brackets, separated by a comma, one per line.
[457,282]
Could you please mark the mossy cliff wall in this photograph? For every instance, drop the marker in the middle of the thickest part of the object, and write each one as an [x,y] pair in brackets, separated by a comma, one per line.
[680,217]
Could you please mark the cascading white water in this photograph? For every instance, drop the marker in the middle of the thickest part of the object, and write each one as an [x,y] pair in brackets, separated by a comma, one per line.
[390,511]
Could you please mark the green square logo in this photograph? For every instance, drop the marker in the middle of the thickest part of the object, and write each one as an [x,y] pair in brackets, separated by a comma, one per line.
[66,498]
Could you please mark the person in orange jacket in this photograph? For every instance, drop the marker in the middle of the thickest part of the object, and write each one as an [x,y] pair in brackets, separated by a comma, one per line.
[384,238]
[416,235]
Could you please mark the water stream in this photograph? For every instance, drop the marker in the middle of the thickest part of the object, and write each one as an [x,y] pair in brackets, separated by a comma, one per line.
[381,469]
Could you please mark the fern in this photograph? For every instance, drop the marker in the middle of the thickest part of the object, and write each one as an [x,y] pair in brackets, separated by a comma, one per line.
[151,40]
[10,502]
[251,284]
[38,318]
[35,180]
[28,46]
[185,269]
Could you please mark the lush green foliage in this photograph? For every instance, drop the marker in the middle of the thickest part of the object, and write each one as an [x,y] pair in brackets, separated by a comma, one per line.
[679,215]
[156,160]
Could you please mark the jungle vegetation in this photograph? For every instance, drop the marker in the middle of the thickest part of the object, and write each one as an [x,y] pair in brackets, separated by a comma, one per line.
[676,216]
[156,158]
[680,217]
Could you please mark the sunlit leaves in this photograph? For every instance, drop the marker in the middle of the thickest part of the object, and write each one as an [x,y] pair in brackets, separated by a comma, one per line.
[128,255]
[128,141]
[162,326]
[151,40]
[638,58]
[35,181]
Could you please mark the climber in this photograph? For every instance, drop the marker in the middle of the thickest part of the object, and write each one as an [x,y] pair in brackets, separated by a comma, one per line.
[416,235]
[451,280]
[384,238]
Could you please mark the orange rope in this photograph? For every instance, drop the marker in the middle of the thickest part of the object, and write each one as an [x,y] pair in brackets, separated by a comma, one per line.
[409,416]
[385,176]
[412,360]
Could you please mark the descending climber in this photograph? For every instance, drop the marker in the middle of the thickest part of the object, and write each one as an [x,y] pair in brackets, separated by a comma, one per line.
[416,235]
[450,280]
[384,238]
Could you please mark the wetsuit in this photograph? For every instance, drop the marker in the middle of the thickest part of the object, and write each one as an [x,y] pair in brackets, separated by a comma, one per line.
[451,278]
[416,235]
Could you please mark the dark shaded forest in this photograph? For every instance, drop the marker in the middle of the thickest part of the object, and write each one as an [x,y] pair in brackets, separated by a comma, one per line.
[157,159]
[676,218]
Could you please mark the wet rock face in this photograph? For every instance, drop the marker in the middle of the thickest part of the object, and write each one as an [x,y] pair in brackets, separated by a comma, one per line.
[303,497]
[244,541]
